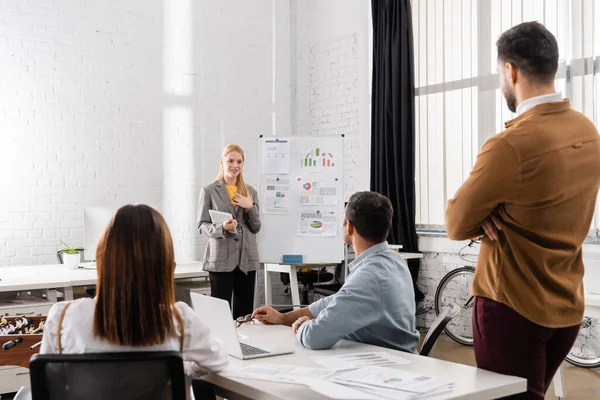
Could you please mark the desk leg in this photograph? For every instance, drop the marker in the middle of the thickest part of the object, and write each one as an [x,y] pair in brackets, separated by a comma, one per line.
[559,384]
[68,293]
[268,286]
[256,291]
[291,270]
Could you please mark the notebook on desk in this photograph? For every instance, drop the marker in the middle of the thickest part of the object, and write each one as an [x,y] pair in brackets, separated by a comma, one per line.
[217,314]
[88,265]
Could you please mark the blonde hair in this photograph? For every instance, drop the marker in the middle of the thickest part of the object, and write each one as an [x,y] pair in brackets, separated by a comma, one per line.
[241,185]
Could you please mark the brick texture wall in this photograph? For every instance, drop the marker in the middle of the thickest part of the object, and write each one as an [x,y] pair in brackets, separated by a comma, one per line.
[330,82]
[131,101]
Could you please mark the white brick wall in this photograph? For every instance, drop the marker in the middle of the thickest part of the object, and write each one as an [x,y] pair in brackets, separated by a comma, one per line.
[334,97]
[440,257]
[331,85]
[78,109]
[332,80]
[107,103]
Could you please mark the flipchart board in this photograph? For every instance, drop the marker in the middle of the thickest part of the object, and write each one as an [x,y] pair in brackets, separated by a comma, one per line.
[301,199]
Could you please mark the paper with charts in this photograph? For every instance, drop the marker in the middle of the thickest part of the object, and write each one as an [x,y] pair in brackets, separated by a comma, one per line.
[315,222]
[281,372]
[317,159]
[276,193]
[360,360]
[276,156]
[318,192]
[394,379]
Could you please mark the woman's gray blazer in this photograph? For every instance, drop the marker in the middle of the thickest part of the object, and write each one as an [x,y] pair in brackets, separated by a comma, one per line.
[226,250]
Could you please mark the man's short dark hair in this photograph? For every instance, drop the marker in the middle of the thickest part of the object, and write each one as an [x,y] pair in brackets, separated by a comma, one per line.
[532,49]
[371,214]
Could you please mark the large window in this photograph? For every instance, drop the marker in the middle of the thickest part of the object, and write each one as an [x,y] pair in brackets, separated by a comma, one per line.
[458,103]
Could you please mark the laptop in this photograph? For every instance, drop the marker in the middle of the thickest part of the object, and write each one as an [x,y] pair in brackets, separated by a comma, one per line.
[217,315]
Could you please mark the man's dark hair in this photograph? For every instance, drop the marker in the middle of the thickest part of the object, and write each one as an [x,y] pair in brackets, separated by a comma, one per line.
[371,215]
[532,49]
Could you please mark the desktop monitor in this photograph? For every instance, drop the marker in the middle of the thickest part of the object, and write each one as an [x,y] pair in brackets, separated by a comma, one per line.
[95,220]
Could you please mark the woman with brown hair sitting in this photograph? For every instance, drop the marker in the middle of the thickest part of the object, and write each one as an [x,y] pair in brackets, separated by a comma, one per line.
[135,308]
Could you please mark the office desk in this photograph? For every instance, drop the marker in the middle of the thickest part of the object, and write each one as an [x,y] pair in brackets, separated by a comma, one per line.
[13,378]
[57,276]
[592,305]
[469,382]
[274,266]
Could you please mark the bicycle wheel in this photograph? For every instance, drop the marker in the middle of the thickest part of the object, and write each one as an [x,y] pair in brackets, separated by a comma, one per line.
[455,287]
[586,350]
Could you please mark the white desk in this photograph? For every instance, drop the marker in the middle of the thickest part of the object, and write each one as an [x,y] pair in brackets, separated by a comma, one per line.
[275,266]
[57,276]
[469,382]
[13,378]
[592,305]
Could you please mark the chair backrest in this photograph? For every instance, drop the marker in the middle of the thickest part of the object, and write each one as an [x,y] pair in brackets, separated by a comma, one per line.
[438,325]
[114,376]
[59,255]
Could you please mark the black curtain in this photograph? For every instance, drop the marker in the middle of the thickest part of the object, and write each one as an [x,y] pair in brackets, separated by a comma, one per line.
[393,121]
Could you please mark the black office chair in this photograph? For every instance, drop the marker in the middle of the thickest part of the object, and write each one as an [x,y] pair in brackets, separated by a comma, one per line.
[327,289]
[114,376]
[446,315]
[308,279]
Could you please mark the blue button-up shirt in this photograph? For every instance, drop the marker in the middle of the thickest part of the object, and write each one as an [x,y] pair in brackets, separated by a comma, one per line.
[376,305]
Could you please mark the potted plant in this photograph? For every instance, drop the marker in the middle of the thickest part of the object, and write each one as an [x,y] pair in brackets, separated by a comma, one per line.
[70,256]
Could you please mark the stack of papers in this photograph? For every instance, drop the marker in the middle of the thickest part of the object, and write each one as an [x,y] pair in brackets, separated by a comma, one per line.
[393,383]
[360,360]
[281,373]
[371,377]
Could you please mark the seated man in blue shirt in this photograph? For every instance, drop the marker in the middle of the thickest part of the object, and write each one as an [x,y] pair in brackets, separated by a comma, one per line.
[376,304]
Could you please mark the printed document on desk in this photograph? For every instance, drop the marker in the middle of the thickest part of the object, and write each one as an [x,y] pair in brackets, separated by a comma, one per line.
[360,360]
[281,372]
[336,391]
[393,379]
[391,394]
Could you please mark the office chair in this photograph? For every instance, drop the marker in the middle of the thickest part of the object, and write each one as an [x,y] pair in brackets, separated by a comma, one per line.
[114,376]
[446,315]
[327,289]
[308,279]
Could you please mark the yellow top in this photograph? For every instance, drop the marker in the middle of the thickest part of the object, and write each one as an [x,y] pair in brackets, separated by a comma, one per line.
[231,190]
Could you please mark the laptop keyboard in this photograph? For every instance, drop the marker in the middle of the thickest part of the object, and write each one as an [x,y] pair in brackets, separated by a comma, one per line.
[248,350]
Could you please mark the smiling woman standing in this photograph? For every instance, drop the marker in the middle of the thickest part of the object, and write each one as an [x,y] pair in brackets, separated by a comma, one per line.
[231,256]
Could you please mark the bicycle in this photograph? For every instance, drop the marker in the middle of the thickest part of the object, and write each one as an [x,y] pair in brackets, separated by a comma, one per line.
[455,287]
